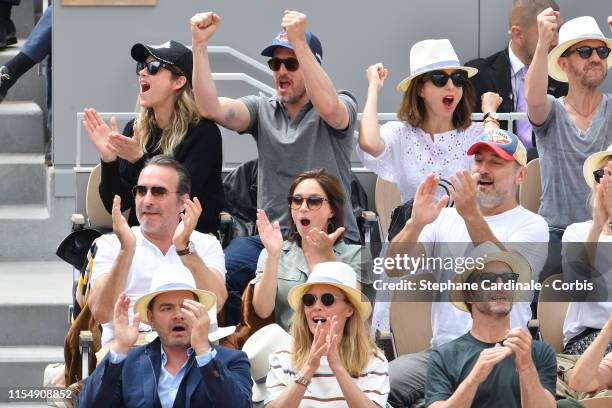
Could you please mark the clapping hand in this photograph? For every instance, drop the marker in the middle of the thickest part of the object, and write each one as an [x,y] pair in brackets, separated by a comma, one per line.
[269,233]
[126,333]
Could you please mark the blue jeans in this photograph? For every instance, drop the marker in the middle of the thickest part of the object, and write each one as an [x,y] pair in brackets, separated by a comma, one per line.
[241,257]
[38,44]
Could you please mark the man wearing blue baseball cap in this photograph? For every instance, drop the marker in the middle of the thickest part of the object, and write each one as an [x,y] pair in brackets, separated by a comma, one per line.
[485,209]
[306,125]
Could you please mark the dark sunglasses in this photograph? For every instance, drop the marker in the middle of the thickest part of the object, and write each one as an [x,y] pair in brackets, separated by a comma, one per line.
[598,174]
[440,78]
[154,66]
[312,202]
[291,64]
[156,191]
[327,299]
[491,277]
[586,51]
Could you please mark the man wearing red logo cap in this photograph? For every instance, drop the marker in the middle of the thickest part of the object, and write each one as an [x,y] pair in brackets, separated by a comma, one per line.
[485,209]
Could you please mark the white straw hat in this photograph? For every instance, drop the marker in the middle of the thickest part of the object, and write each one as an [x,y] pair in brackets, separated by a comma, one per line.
[337,274]
[489,252]
[432,55]
[169,278]
[574,31]
[595,162]
[259,347]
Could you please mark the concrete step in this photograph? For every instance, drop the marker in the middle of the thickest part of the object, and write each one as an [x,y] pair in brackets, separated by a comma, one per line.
[26,365]
[38,324]
[21,127]
[34,302]
[25,178]
[33,232]
[31,85]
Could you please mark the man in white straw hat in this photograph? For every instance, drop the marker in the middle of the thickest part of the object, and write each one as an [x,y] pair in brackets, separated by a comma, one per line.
[494,364]
[570,128]
[179,368]
[125,261]
[485,210]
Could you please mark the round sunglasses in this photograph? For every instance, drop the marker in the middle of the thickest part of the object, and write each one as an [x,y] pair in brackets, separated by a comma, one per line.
[586,51]
[440,78]
[327,299]
[312,202]
[291,64]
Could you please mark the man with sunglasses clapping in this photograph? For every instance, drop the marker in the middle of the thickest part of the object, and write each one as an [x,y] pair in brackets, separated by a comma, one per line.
[125,261]
[306,125]
[571,128]
[493,364]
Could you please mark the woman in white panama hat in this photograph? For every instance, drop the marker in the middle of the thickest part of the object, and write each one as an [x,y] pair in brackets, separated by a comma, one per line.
[435,127]
[592,239]
[333,361]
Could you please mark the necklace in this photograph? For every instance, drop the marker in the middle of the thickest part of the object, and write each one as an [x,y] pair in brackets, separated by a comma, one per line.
[576,110]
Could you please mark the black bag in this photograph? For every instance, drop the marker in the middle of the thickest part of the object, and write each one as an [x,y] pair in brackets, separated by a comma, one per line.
[403,212]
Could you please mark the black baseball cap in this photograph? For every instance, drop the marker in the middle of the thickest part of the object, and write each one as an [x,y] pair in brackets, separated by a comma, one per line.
[171,53]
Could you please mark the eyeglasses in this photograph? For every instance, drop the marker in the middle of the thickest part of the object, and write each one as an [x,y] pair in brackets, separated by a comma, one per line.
[440,78]
[156,191]
[327,299]
[586,51]
[312,202]
[292,64]
[491,277]
[154,66]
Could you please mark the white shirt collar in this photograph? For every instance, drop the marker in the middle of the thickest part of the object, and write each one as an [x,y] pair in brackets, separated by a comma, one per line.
[515,62]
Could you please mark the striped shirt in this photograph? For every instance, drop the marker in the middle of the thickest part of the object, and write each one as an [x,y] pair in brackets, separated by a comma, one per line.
[324,390]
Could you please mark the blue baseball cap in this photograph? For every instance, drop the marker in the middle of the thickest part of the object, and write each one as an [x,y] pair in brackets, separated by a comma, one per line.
[506,144]
[281,40]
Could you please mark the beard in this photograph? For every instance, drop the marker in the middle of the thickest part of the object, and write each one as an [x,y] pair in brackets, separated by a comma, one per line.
[586,77]
[491,199]
[293,98]
[486,308]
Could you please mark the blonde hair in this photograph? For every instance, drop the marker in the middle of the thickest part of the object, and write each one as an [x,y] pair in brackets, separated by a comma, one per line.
[356,346]
[184,114]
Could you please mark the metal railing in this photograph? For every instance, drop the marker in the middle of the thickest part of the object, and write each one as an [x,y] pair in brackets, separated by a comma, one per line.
[383,116]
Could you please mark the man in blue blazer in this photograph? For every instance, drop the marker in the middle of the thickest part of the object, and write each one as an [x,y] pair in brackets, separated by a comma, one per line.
[178,369]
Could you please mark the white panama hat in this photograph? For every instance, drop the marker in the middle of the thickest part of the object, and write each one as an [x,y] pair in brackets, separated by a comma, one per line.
[432,55]
[574,31]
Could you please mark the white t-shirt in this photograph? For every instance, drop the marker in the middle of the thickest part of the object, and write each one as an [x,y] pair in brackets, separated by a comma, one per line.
[526,232]
[582,315]
[147,258]
[410,155]
[324,389]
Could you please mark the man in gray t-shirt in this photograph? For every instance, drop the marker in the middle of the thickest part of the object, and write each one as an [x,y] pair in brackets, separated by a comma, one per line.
[306,125]
[570,128]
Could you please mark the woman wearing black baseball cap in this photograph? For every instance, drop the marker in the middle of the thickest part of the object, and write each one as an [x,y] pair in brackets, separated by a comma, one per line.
[167,122]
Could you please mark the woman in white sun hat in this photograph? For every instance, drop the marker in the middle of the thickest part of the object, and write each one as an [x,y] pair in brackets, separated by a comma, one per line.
[435,127]
[333,361]
[586,249]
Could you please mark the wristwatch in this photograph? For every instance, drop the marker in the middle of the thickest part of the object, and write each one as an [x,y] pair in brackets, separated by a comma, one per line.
[187,251]
[300,379]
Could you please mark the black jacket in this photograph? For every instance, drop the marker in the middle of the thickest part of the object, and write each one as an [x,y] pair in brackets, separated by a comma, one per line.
[494,75]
